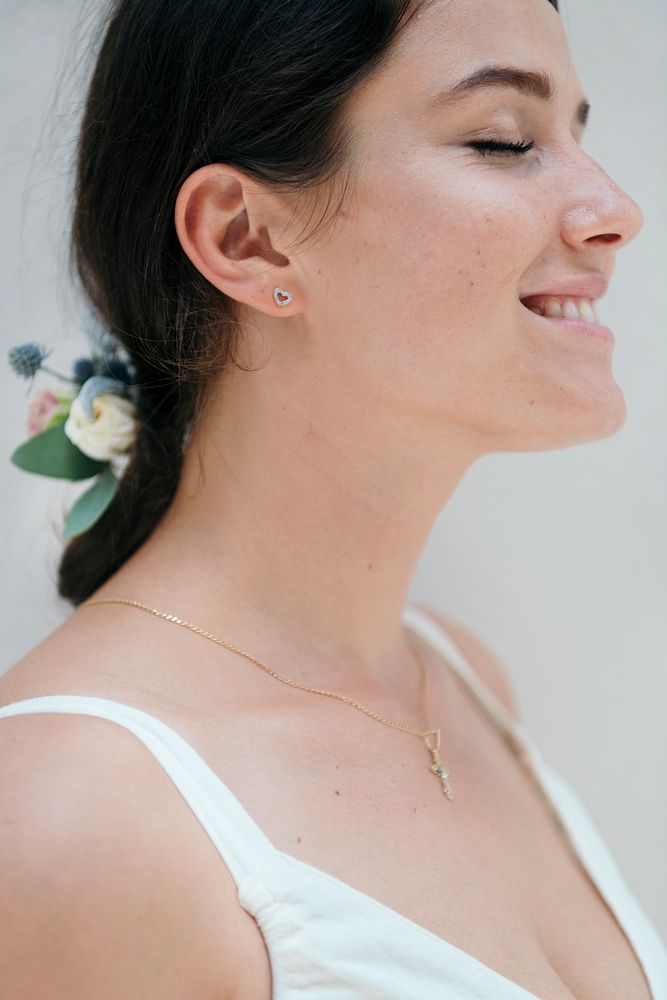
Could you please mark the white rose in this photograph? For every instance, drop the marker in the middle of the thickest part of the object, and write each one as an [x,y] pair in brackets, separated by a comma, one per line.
[119,464]
[109,433]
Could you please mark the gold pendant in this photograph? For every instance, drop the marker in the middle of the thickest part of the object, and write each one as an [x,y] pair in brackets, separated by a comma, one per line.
[437,767]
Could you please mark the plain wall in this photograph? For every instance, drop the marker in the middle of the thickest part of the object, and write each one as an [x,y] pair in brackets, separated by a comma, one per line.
[556,559]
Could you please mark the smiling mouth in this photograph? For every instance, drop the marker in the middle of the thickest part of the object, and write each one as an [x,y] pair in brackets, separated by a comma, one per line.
[568,316]
[563,307]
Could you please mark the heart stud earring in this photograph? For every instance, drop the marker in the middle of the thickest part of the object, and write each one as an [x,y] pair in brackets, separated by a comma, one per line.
[281,297]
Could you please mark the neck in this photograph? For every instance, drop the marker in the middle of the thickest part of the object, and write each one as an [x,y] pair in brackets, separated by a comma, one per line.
[308,537]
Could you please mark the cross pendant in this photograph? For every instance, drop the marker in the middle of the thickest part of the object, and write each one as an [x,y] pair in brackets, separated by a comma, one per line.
[440,771]
[437,767]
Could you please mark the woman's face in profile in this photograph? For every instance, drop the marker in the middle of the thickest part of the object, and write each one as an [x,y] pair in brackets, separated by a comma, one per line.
[417,293]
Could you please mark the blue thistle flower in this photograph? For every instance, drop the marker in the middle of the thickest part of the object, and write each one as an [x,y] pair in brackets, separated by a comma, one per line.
[26,359]
[83,369]
[118,369]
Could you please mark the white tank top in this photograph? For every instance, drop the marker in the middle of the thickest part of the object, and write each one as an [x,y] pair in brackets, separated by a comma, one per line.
[329,941]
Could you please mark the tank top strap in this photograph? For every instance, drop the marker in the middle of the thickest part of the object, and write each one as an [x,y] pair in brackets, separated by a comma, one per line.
[241,843]
[436,636]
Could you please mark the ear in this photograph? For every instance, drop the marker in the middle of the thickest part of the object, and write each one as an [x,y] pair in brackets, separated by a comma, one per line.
[225,222]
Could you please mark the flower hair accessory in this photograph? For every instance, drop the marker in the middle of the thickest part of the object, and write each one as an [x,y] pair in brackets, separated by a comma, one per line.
[86,432]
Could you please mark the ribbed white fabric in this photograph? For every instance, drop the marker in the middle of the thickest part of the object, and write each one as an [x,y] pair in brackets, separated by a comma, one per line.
[330,940]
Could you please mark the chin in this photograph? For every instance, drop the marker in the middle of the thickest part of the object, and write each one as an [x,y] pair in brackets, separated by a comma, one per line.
[593,420]
[604,412]
[595,412]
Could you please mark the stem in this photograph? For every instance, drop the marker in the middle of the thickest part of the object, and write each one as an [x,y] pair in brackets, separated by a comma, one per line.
[65,378]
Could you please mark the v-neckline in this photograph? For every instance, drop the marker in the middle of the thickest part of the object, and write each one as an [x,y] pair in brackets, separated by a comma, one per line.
[479,967]
[525,748]
[527,751]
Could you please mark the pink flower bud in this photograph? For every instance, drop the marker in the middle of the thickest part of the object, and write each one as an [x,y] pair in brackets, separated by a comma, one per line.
[41,408]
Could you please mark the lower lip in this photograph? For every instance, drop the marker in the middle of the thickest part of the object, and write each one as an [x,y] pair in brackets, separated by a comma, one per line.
[578,327]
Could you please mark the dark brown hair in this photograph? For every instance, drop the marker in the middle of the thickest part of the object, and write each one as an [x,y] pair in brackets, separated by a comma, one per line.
[259,84]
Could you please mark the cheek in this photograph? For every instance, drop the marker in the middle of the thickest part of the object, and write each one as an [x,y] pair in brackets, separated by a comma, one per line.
[424,277]
[452,241]
[443,261]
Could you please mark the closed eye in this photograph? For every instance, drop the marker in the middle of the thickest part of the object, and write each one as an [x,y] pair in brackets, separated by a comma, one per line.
[486,146]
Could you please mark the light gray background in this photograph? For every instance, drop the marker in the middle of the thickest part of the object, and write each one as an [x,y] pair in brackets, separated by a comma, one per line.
[556,559]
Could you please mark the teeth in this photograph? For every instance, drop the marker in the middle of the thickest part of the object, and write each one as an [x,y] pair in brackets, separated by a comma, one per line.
[587,311]
[568,309]
[571,309]
[553,308]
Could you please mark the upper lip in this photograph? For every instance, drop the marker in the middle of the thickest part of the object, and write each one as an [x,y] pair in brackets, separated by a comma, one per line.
[585,286]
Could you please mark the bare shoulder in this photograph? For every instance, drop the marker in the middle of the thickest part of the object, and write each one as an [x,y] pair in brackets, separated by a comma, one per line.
[481,657]
[103,893]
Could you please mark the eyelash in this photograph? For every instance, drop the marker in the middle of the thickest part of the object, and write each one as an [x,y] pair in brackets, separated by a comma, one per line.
[512,148]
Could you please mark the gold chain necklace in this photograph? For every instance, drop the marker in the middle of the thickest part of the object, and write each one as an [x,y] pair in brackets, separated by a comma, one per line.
[436,768]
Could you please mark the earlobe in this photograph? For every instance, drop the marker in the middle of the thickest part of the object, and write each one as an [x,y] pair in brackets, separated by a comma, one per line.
[223,223]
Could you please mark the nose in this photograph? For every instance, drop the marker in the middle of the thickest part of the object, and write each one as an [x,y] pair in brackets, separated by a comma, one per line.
[599,212]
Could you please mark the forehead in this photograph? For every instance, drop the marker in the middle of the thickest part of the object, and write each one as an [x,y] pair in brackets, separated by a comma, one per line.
[448,40]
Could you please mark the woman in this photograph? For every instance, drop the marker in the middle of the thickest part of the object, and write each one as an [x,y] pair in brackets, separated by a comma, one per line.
[330,259]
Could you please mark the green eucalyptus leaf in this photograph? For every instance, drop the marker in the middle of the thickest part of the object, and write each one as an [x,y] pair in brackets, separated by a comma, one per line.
[51,453]
[91,504]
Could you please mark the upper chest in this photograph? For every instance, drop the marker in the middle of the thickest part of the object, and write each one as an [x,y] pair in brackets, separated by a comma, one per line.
[489,872]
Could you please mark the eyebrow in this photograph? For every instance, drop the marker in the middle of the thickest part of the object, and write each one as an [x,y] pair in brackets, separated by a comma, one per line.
[534,83]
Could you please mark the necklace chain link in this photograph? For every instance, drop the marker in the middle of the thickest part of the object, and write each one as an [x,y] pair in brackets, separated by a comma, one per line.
[437,767]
